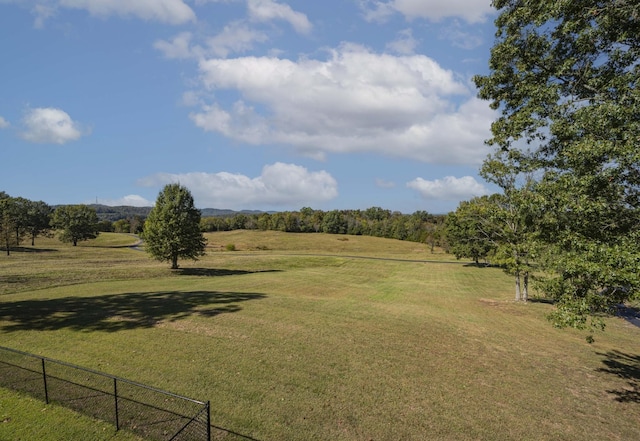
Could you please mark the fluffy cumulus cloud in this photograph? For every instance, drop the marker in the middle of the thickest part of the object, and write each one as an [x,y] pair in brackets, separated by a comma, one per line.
[4,123]
[268,10]
[449,188]
[472,11]
[238,36]
[352,101]
[49,125]
[132,200]
[285,185]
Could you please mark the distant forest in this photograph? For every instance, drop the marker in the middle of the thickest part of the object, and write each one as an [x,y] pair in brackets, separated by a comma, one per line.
[107,213]
[375,221]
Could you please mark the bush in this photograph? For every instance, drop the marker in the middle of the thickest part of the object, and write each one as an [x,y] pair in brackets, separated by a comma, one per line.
[230,247]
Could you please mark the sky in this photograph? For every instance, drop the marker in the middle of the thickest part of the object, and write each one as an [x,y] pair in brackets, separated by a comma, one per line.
[251,104]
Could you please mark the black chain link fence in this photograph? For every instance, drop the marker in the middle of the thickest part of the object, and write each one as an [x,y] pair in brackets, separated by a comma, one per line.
[148,412]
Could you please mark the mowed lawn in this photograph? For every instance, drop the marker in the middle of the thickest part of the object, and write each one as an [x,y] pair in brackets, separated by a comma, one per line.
[322,337]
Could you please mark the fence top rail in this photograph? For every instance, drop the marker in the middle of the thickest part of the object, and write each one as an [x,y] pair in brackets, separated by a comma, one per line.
[113,377]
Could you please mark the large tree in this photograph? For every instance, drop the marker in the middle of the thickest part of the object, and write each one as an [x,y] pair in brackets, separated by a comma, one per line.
[38,219]
[75,223]
[564,77]
[172,229]
[466,230]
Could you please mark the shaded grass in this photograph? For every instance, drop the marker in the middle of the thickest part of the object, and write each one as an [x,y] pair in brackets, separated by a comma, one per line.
[24,418]
[318,346]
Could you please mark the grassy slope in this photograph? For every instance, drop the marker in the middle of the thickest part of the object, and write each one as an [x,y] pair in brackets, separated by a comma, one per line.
[298,342]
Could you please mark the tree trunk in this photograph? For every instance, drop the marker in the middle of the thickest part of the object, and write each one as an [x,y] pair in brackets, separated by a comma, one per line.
[518,293]
[174,262]
[525,294]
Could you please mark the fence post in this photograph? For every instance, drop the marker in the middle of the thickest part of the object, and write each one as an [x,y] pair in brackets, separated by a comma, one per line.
[115,398]
[44,378]
[208,420]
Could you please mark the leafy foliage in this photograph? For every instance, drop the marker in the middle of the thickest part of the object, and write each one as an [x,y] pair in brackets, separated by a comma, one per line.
[172,229]
[466,230]
[76,223]
[565,76]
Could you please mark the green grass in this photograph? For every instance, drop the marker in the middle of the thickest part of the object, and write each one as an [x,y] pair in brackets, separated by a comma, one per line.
[291,337]
[24,418]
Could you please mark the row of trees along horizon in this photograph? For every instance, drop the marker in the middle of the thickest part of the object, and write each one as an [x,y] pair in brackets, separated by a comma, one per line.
[21,218]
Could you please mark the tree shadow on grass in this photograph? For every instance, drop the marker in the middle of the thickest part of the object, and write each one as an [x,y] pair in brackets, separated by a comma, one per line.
[626,367]
[214,272]
[28,250]
[117,312]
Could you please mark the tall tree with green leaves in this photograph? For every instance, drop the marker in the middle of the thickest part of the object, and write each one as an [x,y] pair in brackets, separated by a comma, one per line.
[75,223]
[7,221]
[564,78]
[468,230]
[172,229]
[38,219]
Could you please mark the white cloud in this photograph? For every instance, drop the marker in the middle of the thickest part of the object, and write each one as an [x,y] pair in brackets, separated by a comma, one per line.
[448,188]
[50,125]
[472,11]
[166,11]
[355,101]
[405,44]
[173,12]
[4,123]
[236,37]
[267,10]
[132,200]
[178,48]
[279,184]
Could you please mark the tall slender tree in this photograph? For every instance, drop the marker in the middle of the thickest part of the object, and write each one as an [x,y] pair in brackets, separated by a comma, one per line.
[172,229]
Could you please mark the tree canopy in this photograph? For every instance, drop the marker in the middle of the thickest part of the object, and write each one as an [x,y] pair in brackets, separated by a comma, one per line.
[564,77]
[75,223]
[172,229]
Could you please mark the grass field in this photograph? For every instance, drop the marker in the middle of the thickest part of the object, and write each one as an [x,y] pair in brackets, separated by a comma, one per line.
[319,337]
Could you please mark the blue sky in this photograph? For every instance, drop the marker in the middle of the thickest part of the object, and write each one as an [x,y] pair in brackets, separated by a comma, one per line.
[251,104]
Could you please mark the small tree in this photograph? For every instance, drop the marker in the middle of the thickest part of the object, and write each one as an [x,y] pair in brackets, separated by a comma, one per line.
[75,223]
[172,229]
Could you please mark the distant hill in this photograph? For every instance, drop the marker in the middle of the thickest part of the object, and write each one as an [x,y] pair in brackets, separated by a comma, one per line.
[113,214]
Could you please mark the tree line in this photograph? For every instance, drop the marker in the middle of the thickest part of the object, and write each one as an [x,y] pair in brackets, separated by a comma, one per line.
[375,221]
[21,218]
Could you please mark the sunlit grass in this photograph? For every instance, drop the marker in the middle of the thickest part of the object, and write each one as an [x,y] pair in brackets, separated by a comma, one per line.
[293,339]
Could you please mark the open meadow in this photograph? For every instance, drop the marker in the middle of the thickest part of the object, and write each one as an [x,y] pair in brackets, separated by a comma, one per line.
[316,337]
